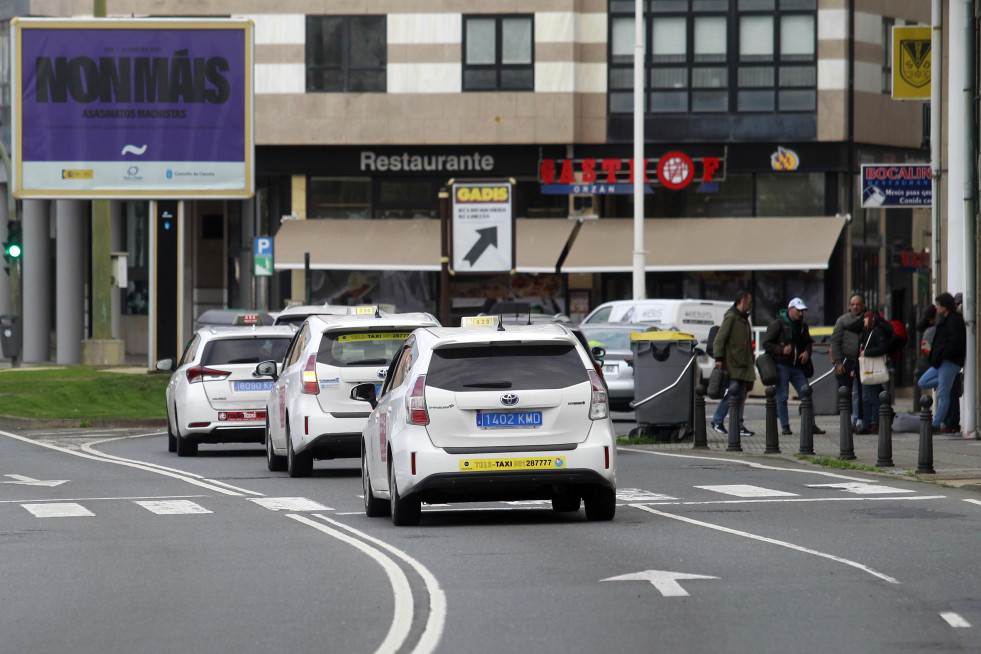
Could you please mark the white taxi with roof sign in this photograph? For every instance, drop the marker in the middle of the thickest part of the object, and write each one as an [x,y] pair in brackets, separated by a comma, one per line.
[489,412]
[213,396]
[310,414]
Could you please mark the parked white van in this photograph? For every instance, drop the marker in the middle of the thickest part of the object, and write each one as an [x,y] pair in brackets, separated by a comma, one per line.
[695,317]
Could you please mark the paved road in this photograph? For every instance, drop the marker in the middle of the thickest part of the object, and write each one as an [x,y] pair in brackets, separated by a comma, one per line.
[138,550]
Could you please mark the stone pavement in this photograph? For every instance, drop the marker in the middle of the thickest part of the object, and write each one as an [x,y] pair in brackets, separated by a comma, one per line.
[956,457]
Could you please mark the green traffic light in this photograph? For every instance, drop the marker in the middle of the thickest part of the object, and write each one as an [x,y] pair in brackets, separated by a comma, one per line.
[14,251]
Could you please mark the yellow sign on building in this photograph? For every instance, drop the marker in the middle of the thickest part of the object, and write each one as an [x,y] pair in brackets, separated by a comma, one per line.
[911,63]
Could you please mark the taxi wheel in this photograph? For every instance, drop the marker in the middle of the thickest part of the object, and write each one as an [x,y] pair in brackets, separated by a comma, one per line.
[373,507]
[565,503]
[601,504]
[298,465]
[186,447]
[405,513]
[275,462]
[171,439]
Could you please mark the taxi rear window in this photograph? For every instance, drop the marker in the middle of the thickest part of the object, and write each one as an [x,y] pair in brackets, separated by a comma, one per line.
[511,367]
[245,350]
[361,348]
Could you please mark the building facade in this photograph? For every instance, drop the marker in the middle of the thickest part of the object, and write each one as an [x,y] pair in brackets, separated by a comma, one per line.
[365,110]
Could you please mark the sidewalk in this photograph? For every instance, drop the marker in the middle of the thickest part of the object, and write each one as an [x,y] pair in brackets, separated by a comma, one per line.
[956,457]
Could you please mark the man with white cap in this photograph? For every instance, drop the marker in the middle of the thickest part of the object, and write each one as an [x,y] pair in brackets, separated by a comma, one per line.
[788,340]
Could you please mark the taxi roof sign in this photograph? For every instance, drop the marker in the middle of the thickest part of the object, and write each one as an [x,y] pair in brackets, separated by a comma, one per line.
[480,321]
[247,319]
[366,310]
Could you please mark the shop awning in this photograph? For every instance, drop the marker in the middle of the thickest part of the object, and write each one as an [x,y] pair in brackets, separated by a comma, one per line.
[678,244]
[404,244]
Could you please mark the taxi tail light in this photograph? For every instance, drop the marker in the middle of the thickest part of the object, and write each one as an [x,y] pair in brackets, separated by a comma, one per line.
[310,384]
[599,406]
[415,403]
[201,373]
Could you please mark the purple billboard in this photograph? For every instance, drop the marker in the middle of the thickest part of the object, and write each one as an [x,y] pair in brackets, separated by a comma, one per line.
[133,108]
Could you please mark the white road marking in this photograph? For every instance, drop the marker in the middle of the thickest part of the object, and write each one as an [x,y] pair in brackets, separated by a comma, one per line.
[750,464]
[771,541]
[173,507]
[58,510]
[862,488]
[745,490]
[791,500]
[664,581]
[102,499]
[289,504]
[955,620]
[973,501]
[437,599]
[402,615]
[30,481]
[628,495]
[95,455]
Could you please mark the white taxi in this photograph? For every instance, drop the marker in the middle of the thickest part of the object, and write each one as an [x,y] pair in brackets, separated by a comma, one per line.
[213,396]
[485,413]
[310,414]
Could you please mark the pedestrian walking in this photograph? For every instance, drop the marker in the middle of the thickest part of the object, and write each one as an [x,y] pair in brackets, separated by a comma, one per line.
[877,335]
[947,354]
[788,340]
[733,349]
[845,339]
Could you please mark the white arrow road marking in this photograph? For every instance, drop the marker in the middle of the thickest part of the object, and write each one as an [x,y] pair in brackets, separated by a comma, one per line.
[172,507]
[772,541]
[665,581]
[29,481]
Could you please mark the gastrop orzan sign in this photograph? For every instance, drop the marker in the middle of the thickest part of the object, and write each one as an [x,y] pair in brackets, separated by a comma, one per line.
[132,108]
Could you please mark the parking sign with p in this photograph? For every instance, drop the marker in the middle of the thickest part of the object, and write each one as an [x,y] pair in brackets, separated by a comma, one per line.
[262,255]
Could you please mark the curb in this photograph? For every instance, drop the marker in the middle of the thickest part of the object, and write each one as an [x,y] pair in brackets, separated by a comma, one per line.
[15,423]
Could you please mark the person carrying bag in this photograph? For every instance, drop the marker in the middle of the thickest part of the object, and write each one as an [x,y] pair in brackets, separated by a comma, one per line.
[788,344]
[872,367]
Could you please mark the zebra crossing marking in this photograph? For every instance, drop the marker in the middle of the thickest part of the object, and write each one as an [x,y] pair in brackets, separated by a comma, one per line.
[746,490]
[860,488]
[289,504]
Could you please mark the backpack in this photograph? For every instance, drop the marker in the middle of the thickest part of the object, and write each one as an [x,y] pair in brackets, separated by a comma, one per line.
[710,342]
[898,341]
[926,343]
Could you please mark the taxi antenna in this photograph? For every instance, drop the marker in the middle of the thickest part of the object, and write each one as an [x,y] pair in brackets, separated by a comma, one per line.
[500,323]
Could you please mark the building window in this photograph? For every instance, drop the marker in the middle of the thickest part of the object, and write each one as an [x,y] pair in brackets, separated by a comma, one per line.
[498,53]
[717,56]
[887,25]
[346,54]
[339,197]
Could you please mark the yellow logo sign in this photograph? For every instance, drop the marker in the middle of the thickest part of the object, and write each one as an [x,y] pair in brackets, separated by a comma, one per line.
[911,63]
[76,174]
[784,159]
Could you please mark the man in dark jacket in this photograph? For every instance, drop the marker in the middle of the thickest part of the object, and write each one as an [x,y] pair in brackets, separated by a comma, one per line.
[733,349]
[788,340]
[946,357]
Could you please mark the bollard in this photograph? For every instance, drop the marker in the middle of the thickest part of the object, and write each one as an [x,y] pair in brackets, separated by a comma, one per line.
[806,420]
[925,464]
[885,431]
[772,435]
[700,437]
[734,417]
[846,444]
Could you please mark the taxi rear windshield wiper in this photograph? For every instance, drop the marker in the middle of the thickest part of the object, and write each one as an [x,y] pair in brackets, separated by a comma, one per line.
[488,384]
[367,362]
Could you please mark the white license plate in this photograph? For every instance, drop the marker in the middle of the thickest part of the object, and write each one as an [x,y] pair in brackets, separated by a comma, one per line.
[611,369]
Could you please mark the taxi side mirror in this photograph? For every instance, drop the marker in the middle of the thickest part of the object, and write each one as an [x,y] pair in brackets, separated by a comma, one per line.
[266,369]
[365,393]
[167,365]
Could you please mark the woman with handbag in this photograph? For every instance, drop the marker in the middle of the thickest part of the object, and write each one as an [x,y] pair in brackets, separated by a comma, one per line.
[876,336]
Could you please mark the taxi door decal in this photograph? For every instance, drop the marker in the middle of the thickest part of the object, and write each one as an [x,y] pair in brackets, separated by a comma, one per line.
[383,436]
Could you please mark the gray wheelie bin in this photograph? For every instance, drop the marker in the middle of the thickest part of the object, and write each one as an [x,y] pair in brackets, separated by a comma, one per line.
[664,383]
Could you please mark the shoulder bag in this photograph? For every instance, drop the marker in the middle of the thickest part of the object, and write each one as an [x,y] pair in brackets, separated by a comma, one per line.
[872,370]
[767,368]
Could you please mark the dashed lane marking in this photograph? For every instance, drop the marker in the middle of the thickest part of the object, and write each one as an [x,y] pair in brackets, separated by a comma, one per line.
[955,620]
[289,504]
[745,490]
[58,510]
[173,507]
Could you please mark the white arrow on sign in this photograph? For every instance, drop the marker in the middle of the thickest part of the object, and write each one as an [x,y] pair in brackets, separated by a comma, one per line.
[666,582]
[29,481]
